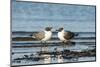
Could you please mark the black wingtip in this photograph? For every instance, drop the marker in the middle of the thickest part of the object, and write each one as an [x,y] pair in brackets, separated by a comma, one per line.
[76,34]
[30,35]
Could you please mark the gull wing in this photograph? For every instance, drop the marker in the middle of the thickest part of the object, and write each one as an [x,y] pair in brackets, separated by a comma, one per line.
[39,35]
[68,35]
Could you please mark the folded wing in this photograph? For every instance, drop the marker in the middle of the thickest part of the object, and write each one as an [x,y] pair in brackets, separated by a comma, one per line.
[39,35]
[68,35]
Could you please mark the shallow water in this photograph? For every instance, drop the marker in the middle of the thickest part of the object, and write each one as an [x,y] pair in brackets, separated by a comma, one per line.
[21,48]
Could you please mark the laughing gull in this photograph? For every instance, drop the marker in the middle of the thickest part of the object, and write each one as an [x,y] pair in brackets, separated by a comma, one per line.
[44,35]
[65,36]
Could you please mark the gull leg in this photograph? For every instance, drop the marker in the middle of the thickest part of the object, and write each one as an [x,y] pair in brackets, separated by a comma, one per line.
[44,45]
[67,41]
[63,43]
[41,46]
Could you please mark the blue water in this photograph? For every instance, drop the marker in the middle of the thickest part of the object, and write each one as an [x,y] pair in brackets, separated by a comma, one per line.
[28,16]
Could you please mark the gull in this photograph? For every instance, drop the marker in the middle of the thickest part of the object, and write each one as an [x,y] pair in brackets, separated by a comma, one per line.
[44,35]
[65,36]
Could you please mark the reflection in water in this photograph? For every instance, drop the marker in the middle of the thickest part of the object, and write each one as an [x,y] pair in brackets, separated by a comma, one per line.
[60,59]
[56,54]
[67,44]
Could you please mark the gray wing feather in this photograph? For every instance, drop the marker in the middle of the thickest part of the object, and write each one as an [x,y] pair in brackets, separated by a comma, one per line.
[39,35]
[68,35]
